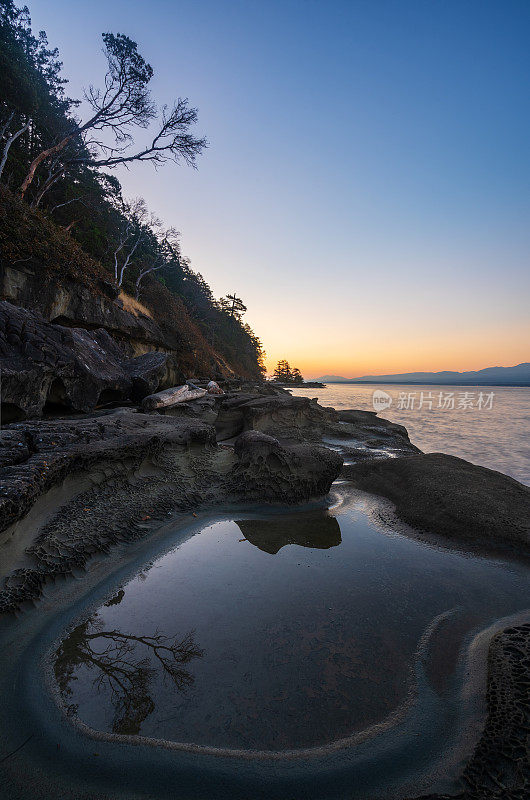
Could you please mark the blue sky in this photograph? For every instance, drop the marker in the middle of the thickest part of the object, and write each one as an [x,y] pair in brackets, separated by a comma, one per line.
[367,188]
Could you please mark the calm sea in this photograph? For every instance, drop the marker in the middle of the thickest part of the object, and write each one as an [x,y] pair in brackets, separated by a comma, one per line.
[496,435]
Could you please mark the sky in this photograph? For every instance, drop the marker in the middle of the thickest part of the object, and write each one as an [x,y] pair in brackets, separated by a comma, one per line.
[366,190]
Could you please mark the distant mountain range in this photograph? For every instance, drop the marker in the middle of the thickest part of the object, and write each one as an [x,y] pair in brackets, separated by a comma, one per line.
[491,376]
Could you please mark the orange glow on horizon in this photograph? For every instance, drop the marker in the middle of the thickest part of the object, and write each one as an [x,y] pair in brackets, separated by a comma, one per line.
[460,353]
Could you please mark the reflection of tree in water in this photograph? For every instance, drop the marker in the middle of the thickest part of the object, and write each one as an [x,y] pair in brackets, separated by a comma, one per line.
[126,665]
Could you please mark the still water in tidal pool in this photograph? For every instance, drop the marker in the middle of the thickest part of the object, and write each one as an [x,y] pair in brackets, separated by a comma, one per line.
[282,631]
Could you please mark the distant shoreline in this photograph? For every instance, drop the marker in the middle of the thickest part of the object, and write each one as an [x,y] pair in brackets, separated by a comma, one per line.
[305,385]
[518,375]
[520,385]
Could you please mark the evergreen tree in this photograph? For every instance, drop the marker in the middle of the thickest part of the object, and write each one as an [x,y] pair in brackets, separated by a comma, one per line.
[282,373]
[68,186]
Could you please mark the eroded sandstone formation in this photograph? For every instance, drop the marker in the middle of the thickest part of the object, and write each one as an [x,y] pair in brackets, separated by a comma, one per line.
[47,367]
[499,768]
[141,467]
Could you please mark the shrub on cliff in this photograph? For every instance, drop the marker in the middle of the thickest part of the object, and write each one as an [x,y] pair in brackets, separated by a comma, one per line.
[83,224]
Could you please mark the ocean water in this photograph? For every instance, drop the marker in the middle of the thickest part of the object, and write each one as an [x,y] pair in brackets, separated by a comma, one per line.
[493,432]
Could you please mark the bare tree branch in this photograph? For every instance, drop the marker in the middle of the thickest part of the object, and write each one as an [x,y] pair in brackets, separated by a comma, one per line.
[6,124]
[10,141]
[132,233]
[168,247]
[124,104]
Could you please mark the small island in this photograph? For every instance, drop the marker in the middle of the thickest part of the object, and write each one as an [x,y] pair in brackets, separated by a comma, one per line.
[288,377]
[212,585]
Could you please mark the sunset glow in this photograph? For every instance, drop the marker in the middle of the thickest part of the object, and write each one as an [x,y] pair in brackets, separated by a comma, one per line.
[365,191]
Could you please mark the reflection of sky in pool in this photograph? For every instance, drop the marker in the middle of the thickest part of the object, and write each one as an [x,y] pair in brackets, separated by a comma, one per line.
[278,632]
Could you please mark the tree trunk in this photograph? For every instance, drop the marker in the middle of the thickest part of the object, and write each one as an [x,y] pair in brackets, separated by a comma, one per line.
[140,278]
[46,187]
[9,142]
[6,124]
[170,397]
[39,159]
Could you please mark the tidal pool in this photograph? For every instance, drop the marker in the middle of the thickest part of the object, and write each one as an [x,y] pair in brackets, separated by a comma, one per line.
[285,631]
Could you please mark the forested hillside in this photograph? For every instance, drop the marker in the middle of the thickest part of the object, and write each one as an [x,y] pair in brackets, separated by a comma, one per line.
[62,206]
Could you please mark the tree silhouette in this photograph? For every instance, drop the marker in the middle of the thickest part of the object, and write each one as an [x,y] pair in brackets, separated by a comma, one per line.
[296,376]
[125,664]
[233,305]
[284,374]
[123,104]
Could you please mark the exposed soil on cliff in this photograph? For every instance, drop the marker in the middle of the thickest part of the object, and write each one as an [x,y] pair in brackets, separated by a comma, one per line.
[43,269]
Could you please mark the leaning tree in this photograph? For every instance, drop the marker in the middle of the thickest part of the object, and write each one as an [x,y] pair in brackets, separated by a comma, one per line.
[120,108]
[233,305]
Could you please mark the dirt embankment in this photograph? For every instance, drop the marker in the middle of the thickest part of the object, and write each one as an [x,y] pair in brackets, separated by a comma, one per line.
[44,270]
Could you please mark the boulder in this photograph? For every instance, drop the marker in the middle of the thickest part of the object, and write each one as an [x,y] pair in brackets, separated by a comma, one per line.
[370,421]
[152,372]
[48,365]
[450,497]
[254,446]
[375,432]
[270,471]
[284,415]
[214,388]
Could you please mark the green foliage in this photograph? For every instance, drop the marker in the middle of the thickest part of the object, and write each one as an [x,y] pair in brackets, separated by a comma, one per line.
[73,194]
[124,57]
[284,374]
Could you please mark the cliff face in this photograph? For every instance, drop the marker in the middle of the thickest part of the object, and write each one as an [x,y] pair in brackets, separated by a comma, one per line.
[48,367]
[72,303]
[43,270]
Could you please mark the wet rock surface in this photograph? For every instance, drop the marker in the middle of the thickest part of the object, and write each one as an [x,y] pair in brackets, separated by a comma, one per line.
[452,498]
[500,766]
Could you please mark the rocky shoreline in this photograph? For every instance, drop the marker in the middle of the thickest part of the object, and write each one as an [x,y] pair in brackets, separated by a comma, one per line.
[499,766]
[77,480]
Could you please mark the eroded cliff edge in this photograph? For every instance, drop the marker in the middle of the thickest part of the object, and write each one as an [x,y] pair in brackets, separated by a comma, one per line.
[76,484]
